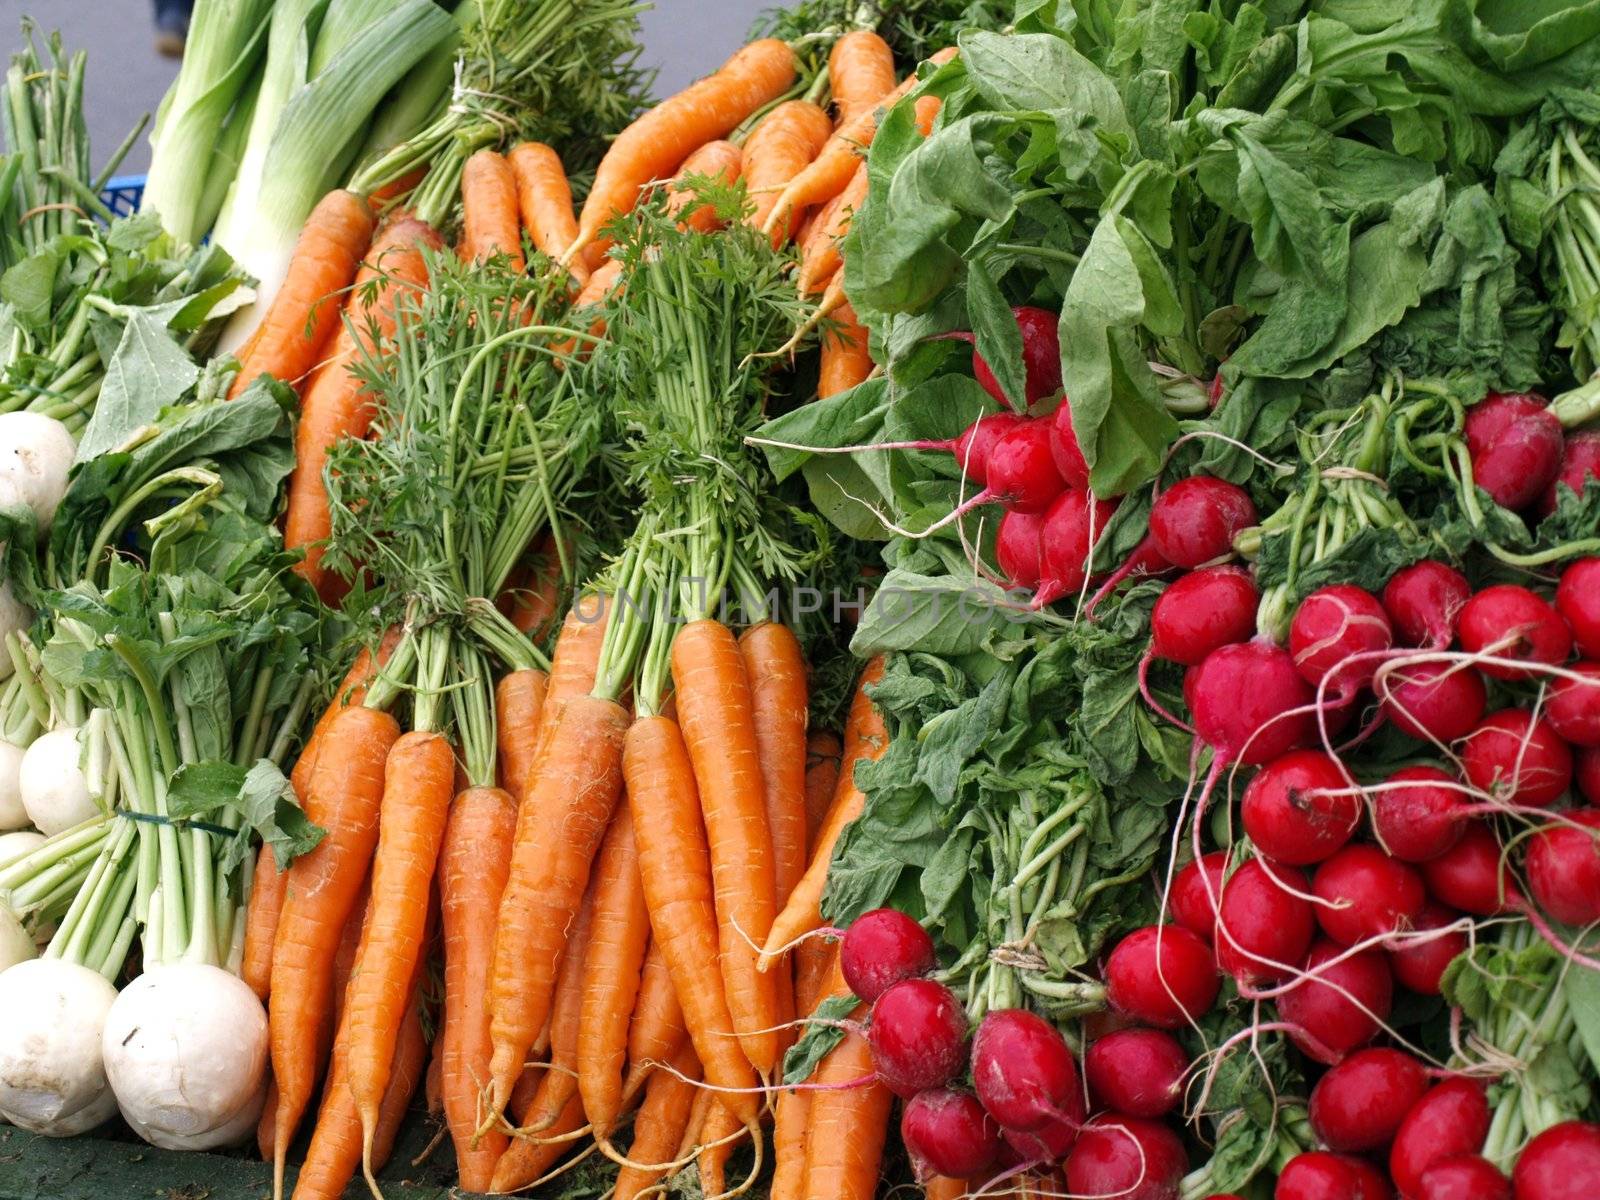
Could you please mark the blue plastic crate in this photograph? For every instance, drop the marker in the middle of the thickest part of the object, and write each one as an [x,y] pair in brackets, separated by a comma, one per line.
[123,193]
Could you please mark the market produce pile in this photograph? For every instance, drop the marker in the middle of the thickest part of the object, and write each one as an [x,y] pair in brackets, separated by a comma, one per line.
[1001,600]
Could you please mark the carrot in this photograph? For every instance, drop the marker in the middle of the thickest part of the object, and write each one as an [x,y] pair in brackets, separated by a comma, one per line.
[261,923]
[575,661]
[655,1031]
[305,312]
[560,1081]
[845,358]
[533,602]
[941,1187]
[789,1119]
[611,973]
[335,405]
[822,772]
[605,275]
[831,170]
[336,1144]
[351,690]
[776,669]
[717,1142]
[518,703]
[715,714]
[703,1102]
[343,796]
[575,785]
[821,257]
[473,863]
[527,1160]
[848,1126]
[675,864]
[779,147]
[544,198]
[433,1085]
[860,72]
[418,785]
[925,111]
[663,137]
[864,738]
[719,161]
[489,210]
[660,1125]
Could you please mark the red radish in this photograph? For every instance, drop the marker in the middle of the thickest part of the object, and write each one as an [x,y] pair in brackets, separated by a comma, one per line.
[1064,445]
[1074,524]
[1163,975]
[1250,704]
[1472,875]
[1332,625]
[1041,356]
[1359,1104]
[1423,602]
[1515,442]
[881,948]
[1433,701]
[1588,773]
[1136,1071]
[1562,1163]
[1518,758]
[1020,470]
[975,443]
[1573,706]
[1023,1069]
[1263,931]
[1416,813]
[918,1036]
[1052,1143]
[1419,963]
[1214,392]
[1318,1175]
[946,1132]
[1194,905]
[1580,462]
[1563,867]
[1511,622]
[1019,548]
[1202,611]
[1463,1177]
[1366,894]
[1452,1119]
[1196,519]
[1294,811]
[1578,602]
[1126,1157]
[1343,1005]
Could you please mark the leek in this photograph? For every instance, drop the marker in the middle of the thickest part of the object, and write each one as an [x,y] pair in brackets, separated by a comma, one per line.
[225,39]
[419,98]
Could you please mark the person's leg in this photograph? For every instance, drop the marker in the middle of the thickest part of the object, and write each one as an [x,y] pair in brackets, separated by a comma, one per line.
[172,26]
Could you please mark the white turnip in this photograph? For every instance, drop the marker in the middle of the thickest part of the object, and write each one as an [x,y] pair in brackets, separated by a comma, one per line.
[55,790]
[36,455]
[16,943]
[13,814]
[19,844]
[52,1077]
[15,617]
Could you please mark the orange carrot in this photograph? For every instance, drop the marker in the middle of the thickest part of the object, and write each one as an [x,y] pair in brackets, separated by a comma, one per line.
[518,702]
[261,923]
[560,1081]
[660,1125]
[544,198]
[663,137]
[335,1152]
[473,863]
[489,210]
[343,796]
[941,1187]
[778,149]
[789,1118]
[575,785]
[575,661]
[606,275]
[864,738]
[720,161]
[776,669]
[335,404]
[860,72]
[305,312]
[351,690]
[845,358]
[831,170]
[675,864]
[821,257]
[526,1160]
[532,603]
[703,1101]
[611,973]
[718,1141]
[418,785]
[715,714]
[822,772]
[848,1126]
[655,1031]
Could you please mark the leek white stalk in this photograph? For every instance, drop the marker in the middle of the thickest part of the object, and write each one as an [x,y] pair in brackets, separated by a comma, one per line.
[225,39]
